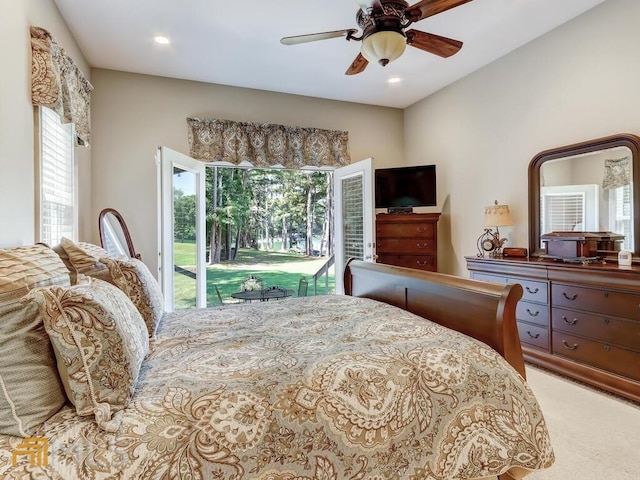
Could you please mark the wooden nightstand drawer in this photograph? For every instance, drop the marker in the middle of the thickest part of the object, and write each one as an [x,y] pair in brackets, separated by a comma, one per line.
[409,229]
[608,302]
[407,246]
[533,313]
[532,291]
[600,355]
[616,331]
[489,278]
[533,335]
[419,262]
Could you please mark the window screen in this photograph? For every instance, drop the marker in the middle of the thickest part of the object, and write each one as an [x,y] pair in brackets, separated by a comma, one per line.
[57,179]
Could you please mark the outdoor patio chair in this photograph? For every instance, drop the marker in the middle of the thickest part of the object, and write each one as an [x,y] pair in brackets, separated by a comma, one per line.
[252,283]
[218,294]
[273,292]
[303,286]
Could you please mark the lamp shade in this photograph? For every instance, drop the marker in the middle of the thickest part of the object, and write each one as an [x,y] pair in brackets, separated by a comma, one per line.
[383,47]
[497,216]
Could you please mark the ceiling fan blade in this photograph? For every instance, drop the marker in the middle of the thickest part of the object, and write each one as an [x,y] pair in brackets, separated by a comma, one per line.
[428,8]
[429,42]
[312,37]
[358,65]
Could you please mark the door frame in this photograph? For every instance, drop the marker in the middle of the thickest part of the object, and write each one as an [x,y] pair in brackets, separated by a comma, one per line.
[363,169]
[167,159]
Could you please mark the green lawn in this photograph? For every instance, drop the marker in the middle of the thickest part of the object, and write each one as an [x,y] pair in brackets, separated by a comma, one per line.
[275,268]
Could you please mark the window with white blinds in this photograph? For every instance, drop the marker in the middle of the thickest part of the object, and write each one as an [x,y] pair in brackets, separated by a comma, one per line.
[563,212]
[58,185]
[621,214]
[353,219]
[569,208]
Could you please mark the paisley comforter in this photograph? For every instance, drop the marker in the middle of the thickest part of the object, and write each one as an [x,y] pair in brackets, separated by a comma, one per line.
[329,387]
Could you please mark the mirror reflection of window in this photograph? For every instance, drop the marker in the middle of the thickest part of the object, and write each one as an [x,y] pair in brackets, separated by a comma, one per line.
[621,213]
[569,208]
[116,243]
[565,179]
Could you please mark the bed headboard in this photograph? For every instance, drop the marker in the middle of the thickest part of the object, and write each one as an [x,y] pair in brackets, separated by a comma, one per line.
[482,310]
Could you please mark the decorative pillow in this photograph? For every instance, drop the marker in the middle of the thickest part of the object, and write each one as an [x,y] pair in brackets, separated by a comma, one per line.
[83,258]
[30,387]
[100,341]
[134,278]
[65,259]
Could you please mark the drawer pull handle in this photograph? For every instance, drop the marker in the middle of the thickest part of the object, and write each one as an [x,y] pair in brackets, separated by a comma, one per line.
[532,291]
[422,245]
[422,263]
[533,314]
[606,294]
[572,297]
[570,322]
[606,321]
[575,345]
[421,229]
[533,336]
[607,348]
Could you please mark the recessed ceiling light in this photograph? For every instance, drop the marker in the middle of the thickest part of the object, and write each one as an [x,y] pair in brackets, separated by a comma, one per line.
[394,80]
[162,40]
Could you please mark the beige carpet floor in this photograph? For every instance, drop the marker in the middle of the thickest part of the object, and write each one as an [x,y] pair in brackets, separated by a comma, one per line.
[595,436]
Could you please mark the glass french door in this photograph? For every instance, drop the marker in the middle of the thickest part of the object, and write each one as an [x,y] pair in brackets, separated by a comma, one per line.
[353,213]
[182,239]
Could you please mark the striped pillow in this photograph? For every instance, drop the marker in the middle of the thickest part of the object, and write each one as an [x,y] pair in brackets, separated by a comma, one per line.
[30,387]
[83,259]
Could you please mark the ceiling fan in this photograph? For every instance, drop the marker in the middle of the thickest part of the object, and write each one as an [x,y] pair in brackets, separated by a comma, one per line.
[384,35]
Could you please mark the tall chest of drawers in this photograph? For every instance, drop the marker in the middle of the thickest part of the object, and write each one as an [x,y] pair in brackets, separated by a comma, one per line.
[408,240]
[582,321]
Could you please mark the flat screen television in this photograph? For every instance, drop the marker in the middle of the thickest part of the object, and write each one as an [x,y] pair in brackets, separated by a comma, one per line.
[405,187]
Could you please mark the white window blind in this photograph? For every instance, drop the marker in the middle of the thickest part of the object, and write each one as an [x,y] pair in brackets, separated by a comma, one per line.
[352,212]
[567,208]
[564,212]
[622,214]
[58,212]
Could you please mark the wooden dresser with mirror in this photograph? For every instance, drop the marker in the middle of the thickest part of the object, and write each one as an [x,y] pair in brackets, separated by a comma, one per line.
[580,318]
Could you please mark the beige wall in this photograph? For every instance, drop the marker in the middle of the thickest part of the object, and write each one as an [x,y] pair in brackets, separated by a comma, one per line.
[17,177]
[133,114]
[578,82]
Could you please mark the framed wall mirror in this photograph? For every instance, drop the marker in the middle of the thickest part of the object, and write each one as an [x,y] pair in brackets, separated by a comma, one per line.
[591,186]
[114,234]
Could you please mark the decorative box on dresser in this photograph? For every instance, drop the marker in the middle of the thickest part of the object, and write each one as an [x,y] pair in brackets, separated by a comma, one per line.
[408,240]
[582,321]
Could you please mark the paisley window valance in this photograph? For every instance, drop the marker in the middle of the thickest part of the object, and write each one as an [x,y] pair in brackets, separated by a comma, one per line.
[617,173]
[58,83]
[266,145]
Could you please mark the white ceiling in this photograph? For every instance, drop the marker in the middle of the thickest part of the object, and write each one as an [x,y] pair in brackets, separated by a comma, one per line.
[238,43]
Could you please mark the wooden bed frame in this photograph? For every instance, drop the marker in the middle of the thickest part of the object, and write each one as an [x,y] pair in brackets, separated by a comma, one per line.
[482,310]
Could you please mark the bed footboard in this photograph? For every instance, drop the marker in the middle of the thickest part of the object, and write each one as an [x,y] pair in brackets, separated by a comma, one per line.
[482,310]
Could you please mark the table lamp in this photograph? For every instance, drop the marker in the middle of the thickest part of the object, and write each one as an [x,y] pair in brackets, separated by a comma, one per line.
[490,243]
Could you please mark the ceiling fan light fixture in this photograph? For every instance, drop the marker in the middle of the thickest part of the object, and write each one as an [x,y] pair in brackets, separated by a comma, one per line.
[383,46]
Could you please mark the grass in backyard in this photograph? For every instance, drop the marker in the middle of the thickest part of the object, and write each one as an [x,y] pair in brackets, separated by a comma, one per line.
[281,269]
